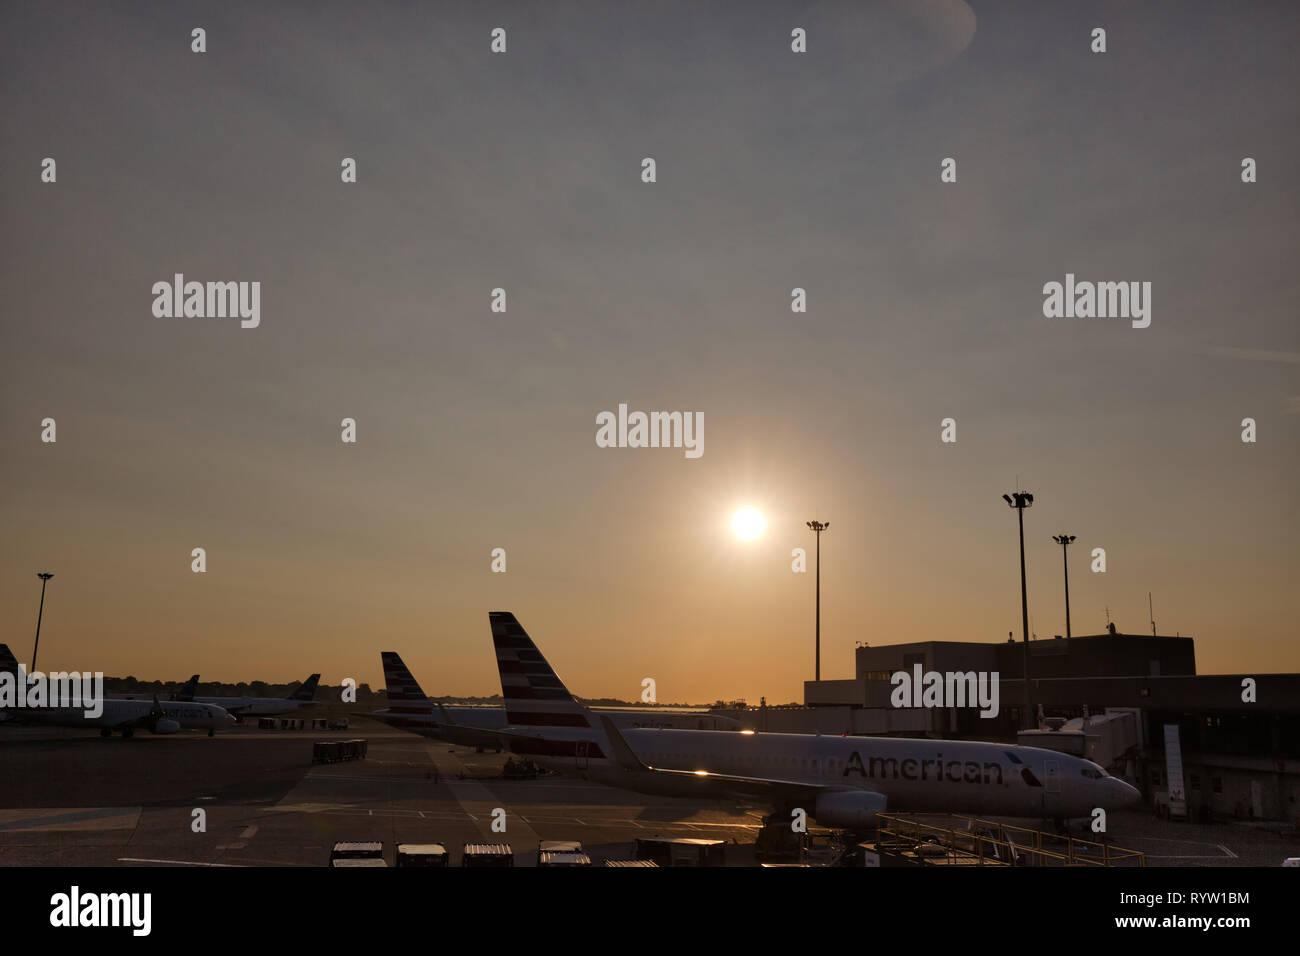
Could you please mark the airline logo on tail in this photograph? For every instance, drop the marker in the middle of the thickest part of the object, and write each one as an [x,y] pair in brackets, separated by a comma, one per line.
[535,696]
[405,696]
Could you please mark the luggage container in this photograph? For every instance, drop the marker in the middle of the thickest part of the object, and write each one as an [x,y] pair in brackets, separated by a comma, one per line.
[422,854]
[561,853]
[487,854]
[353,850]
[681,851]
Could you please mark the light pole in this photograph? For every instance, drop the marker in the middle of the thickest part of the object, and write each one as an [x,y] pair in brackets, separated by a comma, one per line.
[1064,540]
[817,527]
[44,576]
[1020,500]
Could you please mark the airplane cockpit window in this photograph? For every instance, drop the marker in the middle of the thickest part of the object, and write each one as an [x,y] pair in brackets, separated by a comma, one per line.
[1092,773]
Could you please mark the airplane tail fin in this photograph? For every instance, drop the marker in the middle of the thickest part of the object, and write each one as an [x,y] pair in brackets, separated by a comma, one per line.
[307,690]
[186,692]
[401,686]
[534,694]
[8,663]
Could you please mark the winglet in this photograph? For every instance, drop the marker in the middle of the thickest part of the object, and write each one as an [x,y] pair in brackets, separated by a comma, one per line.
[622,753]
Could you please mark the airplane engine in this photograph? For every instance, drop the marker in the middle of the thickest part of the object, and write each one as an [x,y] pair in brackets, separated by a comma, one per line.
[165,725]
[848,809]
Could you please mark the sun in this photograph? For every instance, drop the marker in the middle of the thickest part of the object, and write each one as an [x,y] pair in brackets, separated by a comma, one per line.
[747,523]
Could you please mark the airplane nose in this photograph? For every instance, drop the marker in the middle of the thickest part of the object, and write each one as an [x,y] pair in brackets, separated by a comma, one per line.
[1123,794]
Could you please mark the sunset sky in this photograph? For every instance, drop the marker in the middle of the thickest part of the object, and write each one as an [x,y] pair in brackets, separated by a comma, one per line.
[476,430]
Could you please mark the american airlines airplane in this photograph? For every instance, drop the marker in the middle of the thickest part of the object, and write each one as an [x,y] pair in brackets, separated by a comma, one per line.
[124,716]
[840,781]
[410,709]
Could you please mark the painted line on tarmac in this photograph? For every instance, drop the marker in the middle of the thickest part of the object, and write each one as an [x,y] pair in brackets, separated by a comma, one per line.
[69,818]
[475,798]
[137,859]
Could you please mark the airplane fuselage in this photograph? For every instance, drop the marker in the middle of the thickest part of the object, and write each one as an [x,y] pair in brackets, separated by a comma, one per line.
[918,775]
[473,726]
[119,712]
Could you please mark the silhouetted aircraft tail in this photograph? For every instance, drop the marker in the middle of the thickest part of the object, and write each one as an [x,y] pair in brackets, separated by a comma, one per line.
[186,693]
[8,663]
[308,689]
[534,694]
[398,681]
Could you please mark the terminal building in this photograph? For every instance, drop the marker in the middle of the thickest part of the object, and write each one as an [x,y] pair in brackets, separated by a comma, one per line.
[1200,747]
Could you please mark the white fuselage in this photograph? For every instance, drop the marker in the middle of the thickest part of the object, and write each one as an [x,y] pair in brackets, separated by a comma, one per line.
[472,726]
[118,712]
[914,774]
[242,706]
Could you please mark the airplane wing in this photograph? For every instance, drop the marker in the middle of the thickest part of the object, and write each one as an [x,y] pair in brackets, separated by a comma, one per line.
[128,722]
[709,782]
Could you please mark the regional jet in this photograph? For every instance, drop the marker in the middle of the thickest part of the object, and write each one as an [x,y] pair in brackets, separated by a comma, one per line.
[840,781]
[240,707]
[124,716]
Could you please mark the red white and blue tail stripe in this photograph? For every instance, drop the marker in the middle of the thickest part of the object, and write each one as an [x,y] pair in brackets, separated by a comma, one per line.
[534,695]
[404,694]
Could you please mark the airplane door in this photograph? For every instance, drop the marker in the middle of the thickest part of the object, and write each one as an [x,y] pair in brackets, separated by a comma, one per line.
[1052,770]
[580,754]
